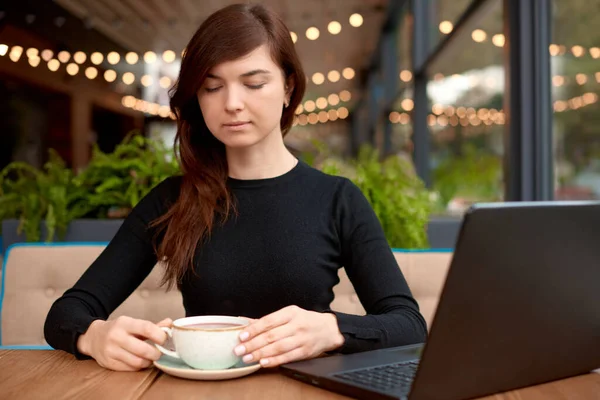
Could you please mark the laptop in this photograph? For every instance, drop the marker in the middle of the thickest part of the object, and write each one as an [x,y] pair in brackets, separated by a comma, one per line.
[520,306]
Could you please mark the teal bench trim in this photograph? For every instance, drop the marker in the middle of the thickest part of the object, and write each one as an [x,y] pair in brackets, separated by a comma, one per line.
[25,347]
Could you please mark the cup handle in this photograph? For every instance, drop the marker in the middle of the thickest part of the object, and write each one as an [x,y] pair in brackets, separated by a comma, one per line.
[169,353]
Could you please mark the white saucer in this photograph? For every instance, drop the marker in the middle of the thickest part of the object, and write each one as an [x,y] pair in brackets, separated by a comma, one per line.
[175,367]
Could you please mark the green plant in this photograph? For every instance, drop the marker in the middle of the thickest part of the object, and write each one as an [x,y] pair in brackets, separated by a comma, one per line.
[399,198]
[32,195]
[473,175]
[111,182]
[118,180]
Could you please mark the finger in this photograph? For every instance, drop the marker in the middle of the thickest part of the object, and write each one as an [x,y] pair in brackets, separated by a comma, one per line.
[297,354]
[264,339]
[146,330]
[167,322]
[267,323]
[131,360]
[278,348]
[115,365]
[140,348]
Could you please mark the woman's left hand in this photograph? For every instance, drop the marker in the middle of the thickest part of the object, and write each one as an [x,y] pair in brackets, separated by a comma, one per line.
[287,335]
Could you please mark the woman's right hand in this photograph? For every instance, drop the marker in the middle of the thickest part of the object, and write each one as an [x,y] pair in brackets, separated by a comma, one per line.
[120,345]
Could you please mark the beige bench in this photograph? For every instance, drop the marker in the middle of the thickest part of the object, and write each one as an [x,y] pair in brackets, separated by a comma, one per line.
[35,275]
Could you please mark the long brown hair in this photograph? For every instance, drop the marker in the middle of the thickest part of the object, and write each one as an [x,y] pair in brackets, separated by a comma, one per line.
[204,197]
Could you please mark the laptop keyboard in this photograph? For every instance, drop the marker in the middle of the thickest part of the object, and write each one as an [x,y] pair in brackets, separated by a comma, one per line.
[396,377]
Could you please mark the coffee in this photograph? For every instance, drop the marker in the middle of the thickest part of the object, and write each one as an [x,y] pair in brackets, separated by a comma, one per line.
[208,325]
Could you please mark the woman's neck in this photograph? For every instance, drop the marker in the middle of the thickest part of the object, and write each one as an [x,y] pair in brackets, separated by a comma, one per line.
[267,159]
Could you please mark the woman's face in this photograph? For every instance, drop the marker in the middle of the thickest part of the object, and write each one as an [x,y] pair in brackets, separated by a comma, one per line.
[242,100]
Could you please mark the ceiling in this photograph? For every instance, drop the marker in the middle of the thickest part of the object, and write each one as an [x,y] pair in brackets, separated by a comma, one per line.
[159,25]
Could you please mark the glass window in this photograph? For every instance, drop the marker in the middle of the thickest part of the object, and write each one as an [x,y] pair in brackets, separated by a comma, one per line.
[400,111]
[446,14]
[466,117]
[575,54]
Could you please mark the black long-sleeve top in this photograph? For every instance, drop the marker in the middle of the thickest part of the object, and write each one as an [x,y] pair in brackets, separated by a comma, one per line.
[290,236]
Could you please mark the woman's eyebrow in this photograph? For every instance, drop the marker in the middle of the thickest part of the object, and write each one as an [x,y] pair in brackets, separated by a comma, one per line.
[244,75]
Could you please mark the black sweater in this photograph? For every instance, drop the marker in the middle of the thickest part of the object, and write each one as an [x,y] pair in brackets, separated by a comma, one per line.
[291,235]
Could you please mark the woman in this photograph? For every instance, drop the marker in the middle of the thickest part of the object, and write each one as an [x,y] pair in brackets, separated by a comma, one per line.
[248,229]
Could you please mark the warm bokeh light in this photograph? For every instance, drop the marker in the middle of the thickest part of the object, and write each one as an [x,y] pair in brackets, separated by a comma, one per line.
[333,76]
[3,49]
[343,112]
[64,56]
[405,75]
[91,72]
[446,27]
[348,73]
[294,37]
[53,65]
[149,57]
[498,40]
[32,52]
[345,95]
[404,118]
[407,104]
[97,58]
[72,69]
[581,79]
[318,78]
[146,80]
[79,57]
[128,78]
[47,55]
[333,99]
[34,61]
[312,33]
[165,82]
[110,75]
[169,56]
[309,106]
[334,27]
[356,20]
[323,117]
[595,52]
[479,35]
[113,58]
[578,51]
[132,58]
[321,102]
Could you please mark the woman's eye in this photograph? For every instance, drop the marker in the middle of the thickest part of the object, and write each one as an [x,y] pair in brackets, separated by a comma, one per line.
[255,87]
[212,90]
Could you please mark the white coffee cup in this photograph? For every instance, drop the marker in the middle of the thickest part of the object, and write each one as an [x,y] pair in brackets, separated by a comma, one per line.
[205,342]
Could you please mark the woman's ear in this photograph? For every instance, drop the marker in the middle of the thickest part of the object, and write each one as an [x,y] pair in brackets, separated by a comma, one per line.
[290,84]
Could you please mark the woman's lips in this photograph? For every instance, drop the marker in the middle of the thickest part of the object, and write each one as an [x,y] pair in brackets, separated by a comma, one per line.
[236,126]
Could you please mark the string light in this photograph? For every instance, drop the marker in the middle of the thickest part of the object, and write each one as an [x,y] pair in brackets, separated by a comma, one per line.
[446,27]
[131,58]
[356,20]
[334,27]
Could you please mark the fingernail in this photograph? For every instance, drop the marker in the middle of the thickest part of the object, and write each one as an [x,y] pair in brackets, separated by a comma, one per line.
[244,335]
[239,350]
[247,358]
[264,362]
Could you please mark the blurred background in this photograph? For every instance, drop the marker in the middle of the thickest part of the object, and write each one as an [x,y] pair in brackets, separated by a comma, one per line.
[483,100]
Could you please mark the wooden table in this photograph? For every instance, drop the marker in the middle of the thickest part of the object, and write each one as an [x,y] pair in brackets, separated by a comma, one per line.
[35,374]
